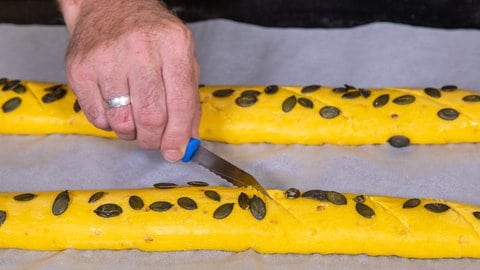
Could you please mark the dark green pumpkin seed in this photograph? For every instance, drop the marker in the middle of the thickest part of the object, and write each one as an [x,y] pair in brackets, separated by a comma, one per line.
[351,95]
[96,196]
[399,141]
[243,200]
[432,92]
[3,217]
[289,103]
[329,112]
[108,210]
[160,206]
[359,199]
[449,88]
[213,195]
[404,100]
[76,106]
[476,214]
[349,87]
[20,89]
[316,194]
[336,198]
[24,197]
[53,88]
[271,89]
[305,102]
[3,80]
[223,92]
[471,98]
[411,203]
[339,90]
[11,104]
[54,95]
[364,210]
[448,114]
[187,203]
[246,101]
[310,88]
[436,207]
[250,93]
[292,193]
[257,207]
[61,202]
[381,100]
[10,85]
[223,211]
[197,183]
[135,202]
[164,185]
[364,92]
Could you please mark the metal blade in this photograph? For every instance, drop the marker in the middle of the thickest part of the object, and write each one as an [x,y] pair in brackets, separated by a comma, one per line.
[226,170]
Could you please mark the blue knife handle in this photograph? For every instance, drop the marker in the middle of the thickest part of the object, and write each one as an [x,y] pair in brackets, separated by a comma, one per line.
[191,149]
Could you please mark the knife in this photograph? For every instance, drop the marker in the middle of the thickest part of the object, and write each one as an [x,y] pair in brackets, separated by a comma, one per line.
[197,153]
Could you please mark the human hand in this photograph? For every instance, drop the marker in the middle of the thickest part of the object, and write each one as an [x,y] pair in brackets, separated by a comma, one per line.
[136,49]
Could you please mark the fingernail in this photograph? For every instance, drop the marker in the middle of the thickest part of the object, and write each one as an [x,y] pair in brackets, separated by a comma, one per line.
[172,155]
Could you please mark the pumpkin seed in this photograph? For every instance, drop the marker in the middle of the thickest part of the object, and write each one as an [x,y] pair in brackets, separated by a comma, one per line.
[96,196]
[364,92]
[310,88]
[381,100]
[135,202]
[349,87]
[3,80]
[223,211]
[399,141]
[24,197]
[289,103]
[436,207]
[76,106]
[61,202]
[243,200]
[316,194]
[292,193]
[359,199]
[339,89]
[187,203]
[475,214]
[257,207]
[329,112]
[197,184]
[164,185]
[448,114]
[271,89]
[20,89]
[10,85]
[250,93]
[53,88]
[305,102]
[404,100]
[449,88]
[351,95]
[11,104]
[471,98]
[160,206]
[223,92]
[246,101]
[108,210]
[201,85]
[3,217]
[54,95]
[213,195]
[364,210]
[411,203]
[336,198]
[432,92]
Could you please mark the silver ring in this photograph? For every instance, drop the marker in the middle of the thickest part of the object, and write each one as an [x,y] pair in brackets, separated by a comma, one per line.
[117,102]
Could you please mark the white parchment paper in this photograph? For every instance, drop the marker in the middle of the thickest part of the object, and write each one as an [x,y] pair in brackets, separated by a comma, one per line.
[373,55]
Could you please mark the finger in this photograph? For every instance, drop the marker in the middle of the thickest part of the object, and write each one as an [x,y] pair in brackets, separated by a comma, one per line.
[120,119]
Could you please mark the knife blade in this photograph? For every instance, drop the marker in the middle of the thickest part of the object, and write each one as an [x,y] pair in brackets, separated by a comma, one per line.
[197,153]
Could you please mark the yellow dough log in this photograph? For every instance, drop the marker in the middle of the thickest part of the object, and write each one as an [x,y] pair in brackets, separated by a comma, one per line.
[276,114]
[212,218]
